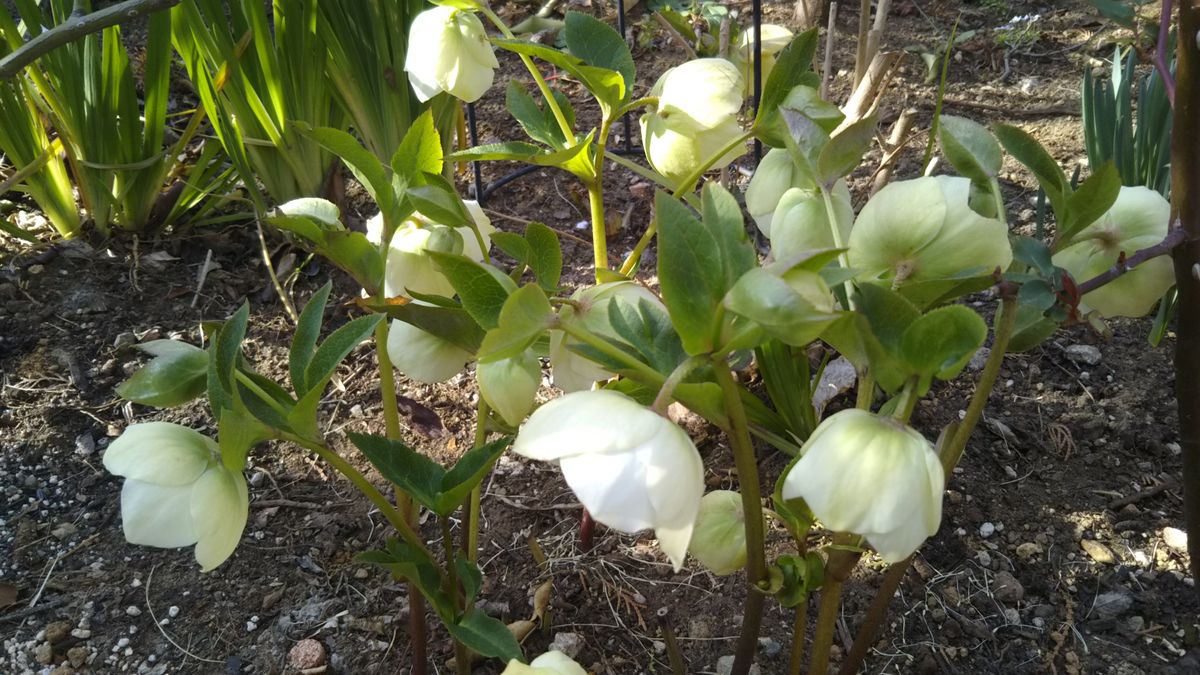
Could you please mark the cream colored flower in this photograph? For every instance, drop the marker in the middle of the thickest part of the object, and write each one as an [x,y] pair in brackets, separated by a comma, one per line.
[774,39]
[871,475]
[775,175]
[408,266]
[719,540]
[923,229]
[551,663]
[696,116]
[448,51]
[630,467]
[1137,220]
[423,356]
[177,492]
[572,372]
[801,220]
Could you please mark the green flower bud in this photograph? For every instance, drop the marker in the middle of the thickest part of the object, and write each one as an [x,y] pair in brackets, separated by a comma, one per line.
[870,475]
[719,540]
[1137,220]
[776,174]
[924,229]
[510,385]
[801,221]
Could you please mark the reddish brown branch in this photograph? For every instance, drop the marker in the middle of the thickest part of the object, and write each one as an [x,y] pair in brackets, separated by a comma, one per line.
[1175,236]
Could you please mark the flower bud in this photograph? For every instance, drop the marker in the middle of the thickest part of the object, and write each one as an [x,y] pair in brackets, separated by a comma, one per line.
[408,266]
[870,475]
[924,229]
[510,385]
[719,540]
[801,221]
[423,356]
[572,372]
[1137,220]
[551,663]
[776,174]
[177,492]
[448,51]
[696,116]
[774,39]
[630,467]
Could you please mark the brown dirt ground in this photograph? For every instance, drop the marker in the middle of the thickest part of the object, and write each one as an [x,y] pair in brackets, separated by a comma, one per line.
[1051,557]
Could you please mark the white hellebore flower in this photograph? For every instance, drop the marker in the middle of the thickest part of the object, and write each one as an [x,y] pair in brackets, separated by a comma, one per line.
[423,356]
[552,662]
[923,229]
[801,220]
[572,372]
[1137,220]
[871,475]
[177,492]
[448,50]
[510,385]
[630,467]
[410,269]
[774,39]
[696,116]
[775,175]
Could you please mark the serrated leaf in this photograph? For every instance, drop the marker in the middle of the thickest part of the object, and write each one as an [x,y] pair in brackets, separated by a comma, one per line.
[414,473]
[532,118]
[690,273]
[482,288]
[174,377]
[365,166]
[485,636]
[437,200]
[597,44]
[467,473]
[1026,150]
[792,67]
[526,314]
[845,149]
[420,152]
[607,86]
[942,342]
[336,347]
[453,324]
[970,148]
[1091,200]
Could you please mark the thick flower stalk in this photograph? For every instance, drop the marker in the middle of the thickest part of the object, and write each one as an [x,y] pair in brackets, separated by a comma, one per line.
[870,475]
[924,229]
[696,116]
[1137,220]
[177,491]
[630,467]
[448,51]
[572,372]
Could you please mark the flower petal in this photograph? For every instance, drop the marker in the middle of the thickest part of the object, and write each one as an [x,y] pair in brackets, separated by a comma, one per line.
[612,487]
[586,422]
[220,505]
[160,453]
[422,356]
[156,515]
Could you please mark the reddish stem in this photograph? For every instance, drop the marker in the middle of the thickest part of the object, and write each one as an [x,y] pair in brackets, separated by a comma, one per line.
[1175,236]
[587,528]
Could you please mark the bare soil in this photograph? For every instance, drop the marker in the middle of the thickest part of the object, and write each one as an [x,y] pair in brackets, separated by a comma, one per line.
[1055,555]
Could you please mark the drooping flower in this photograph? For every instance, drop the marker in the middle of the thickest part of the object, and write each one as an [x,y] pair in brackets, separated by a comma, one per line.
[408,266]
[801,220]
[571,371]
[177,491]
[423,356]
[871,475]
[719,540]
[448,51]
[696,116]
[1137,220]
[551,663]
[630,467]
[925,229]
[774,39]
[775,175]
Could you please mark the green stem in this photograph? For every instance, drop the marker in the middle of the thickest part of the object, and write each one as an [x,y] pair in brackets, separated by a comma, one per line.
[649,174]
[568,132]
[831,599]
[998,199]
[865,395]
[474,507]
[462,655]
[908,401]
[684,187]
[608,349]
[799,633]
[599,235]
[756,563]
[635,104]
[266,398]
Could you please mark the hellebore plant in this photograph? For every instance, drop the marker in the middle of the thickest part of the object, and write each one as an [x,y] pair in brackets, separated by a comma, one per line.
[879,288]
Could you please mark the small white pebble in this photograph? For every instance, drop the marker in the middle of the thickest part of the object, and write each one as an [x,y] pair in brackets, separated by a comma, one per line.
[133,610]
[173,611]
[136,583]
[986,530]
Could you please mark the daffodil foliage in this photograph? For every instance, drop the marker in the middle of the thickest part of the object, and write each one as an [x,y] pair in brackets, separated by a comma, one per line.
[876,290]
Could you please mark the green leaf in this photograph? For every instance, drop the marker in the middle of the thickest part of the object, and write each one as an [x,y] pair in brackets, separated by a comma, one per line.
[792,68]
[1033,253]
[420,152]
[350,251]
[1038,293]
[1032,328]
[453,324]
[467,473]
[648,331]
[526,314]
[597,44]
[237,434]
[365,166]
[336,347]
[574,159]
[690,272]
[229,345]
[483,288]
[485,636]
[417,567]
[470,576]
[321,210]
[267,401]
[512,244]
[545,255]
[437,200]
[942,342]
[970,148]
[773,304]
[1091,200]
[722,217]
[304,340]
[532,118]
[1026,150]
[607,86]
[844,151]
[175,376]
[416,474]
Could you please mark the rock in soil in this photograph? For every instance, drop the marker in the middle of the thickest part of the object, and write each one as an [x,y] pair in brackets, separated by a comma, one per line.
[1112,604]
[1007,589]
[1175,539]
[306,655]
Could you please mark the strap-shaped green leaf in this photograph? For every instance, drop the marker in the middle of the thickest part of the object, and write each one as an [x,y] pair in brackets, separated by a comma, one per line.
[304,340]
[485,636]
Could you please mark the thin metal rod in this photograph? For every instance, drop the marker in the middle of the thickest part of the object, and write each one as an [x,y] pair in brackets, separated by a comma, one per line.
[625,122]
[476,171]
